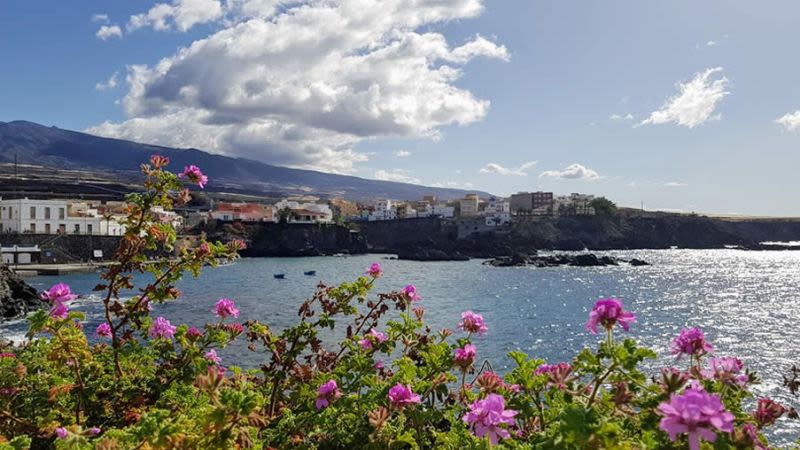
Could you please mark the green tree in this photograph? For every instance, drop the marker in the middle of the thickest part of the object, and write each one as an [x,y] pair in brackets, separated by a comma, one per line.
[604,207]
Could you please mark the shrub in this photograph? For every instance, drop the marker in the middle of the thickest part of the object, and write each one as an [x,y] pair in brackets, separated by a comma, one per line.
[392,382]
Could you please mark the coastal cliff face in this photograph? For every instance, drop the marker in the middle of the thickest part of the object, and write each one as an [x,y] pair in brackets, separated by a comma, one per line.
[410,237]
[273,239]
[16,297]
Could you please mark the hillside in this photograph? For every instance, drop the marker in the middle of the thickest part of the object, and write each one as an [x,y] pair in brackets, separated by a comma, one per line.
[53,148]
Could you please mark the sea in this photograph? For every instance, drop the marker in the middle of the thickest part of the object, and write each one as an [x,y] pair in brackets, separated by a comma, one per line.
[747,303]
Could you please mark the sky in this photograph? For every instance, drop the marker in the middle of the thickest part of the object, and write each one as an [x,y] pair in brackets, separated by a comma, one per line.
[679,105]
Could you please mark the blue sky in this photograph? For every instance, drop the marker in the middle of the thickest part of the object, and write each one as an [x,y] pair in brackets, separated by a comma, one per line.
[501,96]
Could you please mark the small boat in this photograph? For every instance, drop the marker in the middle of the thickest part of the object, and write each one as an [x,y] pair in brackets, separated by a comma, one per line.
[280,276]
[310,273]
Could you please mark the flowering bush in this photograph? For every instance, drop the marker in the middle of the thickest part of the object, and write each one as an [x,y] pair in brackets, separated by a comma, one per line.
[392,382]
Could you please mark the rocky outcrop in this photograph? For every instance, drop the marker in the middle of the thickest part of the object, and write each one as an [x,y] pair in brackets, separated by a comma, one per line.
[17,297]
[430,254]
[580,260]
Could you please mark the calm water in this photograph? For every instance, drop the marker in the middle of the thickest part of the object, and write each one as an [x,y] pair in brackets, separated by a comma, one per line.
[746,302]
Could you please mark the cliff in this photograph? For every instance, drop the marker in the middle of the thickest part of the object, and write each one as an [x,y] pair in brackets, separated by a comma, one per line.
[414,238]
[273,239]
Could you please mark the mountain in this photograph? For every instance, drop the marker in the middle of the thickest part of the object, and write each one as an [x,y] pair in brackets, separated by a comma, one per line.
[51,147]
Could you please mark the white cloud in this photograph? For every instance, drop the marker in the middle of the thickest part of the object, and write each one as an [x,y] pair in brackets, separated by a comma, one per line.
[712,44]
[100,18]
[572,172]
[303,84]
[180,14]
[109,31]
[790,121]
[628,116]
[111,83]
[399,175]
[520,171]
[675,184]
[695,103]
[402,153]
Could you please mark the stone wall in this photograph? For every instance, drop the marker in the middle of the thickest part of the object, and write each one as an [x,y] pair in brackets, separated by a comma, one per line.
[68,248]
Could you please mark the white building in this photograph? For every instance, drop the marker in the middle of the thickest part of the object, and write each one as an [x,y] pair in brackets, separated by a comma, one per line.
[497,212]
[55,217]
[573,204]
[384,210]
[304,212]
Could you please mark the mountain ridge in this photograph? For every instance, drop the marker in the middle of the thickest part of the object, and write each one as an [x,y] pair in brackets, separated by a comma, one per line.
[53,147]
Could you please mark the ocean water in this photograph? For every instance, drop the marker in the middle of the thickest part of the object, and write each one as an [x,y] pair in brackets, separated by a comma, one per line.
[748,303]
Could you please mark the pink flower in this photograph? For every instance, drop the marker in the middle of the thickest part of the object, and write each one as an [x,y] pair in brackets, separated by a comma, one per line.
[161,328]
[159,161]
[59,311]
[487,417]
[727,370]
[212,357]
[607,312]
[378,365]
[375,270]
[767,412]
[194,174]
[558,375]
[62,432]
[327,394]
[465,356]
[193,333]
[691,341]
[472,323]
[411,293]
[226,308]
[9,355]
[751,437]
[103,330]
[696,413]
[94,431]
[400,396]
[59,293]
[672,379]
[371,338]
[235,328]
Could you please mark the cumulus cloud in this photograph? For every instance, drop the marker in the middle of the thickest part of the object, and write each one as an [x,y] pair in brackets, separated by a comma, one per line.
[402,153]
[180,15]
[572,172]
[675,184]
[399,175]
[695,102]
[628,116]
[301,85]
[111,83]
[109,31]
[790,121]
[497,169]
[100,18]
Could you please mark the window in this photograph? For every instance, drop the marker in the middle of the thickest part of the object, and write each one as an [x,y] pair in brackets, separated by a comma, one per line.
[61,213]
[89,229]
[46,212]
[47,228]
[77,228]
[33,228]
[33,212]
[62,228]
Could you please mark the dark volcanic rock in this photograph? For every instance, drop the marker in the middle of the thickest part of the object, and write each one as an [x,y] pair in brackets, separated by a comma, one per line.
[16,297]
[430,254]
[638,262]
[581,260]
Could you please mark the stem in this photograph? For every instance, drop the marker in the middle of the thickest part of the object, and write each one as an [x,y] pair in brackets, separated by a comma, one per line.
[597,384]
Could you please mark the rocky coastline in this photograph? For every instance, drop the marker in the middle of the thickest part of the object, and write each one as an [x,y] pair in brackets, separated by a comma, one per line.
[562,259]
[17,297]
